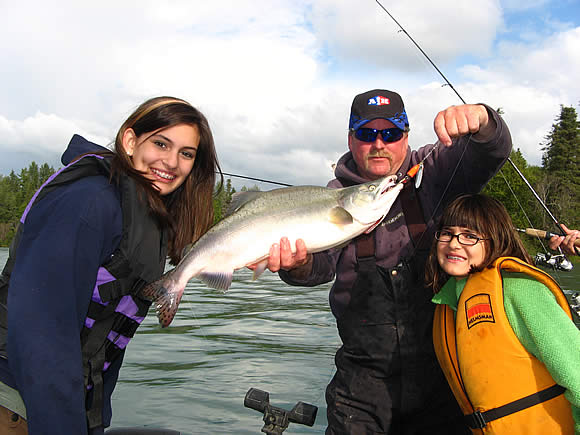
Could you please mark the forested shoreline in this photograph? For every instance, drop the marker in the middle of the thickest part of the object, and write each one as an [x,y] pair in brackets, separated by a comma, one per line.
[556,181]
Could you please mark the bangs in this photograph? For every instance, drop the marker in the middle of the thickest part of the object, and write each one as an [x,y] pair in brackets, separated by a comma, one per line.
[468,212]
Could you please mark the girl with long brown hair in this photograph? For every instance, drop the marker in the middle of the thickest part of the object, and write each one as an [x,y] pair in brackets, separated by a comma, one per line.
[94,234]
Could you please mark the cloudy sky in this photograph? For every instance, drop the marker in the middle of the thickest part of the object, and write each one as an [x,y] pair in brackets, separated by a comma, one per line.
[276,78]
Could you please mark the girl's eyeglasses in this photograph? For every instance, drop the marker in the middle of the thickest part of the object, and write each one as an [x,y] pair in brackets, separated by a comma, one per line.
[463,238]
[370,134]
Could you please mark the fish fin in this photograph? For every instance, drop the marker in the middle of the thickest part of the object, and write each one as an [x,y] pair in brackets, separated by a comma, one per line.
[241,198]
[340,216]
[260,268]
[219,280]
[166,295]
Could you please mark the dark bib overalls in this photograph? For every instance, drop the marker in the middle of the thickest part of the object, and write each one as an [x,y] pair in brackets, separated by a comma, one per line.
[388,380]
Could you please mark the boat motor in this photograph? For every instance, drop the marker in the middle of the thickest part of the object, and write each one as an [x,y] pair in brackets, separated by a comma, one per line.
[276,420]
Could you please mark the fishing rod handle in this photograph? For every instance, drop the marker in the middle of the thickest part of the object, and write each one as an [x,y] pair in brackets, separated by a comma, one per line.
[546,235]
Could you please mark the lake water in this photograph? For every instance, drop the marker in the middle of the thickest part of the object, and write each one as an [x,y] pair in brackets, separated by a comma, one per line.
[193,376]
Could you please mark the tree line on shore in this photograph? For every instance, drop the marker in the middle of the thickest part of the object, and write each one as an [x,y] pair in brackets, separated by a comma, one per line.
[556,182]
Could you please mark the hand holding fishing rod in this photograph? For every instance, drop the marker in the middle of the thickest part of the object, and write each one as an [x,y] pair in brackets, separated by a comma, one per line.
[569,243]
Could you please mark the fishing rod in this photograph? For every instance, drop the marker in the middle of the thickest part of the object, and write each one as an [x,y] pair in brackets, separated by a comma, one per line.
[543,234]
[256,179]
[563,233]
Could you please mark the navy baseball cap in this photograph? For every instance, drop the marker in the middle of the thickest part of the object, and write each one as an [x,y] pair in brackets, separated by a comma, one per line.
[378,104]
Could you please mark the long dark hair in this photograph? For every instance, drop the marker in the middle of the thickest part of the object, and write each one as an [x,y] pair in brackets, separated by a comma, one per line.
[486,216]
[188,211]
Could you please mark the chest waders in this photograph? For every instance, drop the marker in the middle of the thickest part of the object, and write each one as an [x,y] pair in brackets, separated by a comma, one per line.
[114,311]
[387,373]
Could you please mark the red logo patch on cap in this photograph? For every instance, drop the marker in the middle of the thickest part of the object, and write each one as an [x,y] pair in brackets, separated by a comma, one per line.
[478,310]
[379,101]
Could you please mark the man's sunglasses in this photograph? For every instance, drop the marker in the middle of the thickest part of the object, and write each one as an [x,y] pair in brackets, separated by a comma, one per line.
[370,134]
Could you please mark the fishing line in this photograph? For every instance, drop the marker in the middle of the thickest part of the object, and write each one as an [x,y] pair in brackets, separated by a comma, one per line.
[463,101]
[421,50]
[423,234]
[195,318]
[519,204]
[555,270]
[255,179]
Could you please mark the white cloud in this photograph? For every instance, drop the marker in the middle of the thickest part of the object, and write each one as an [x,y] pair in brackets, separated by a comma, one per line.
[362,31]
[44,132]
[275,79]
[530,82]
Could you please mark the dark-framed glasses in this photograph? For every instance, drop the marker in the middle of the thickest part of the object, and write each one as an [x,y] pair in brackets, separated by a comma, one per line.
[370,134]
[468,239]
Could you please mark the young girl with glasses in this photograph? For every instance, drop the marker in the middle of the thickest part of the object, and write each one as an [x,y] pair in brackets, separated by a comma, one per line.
[502,330]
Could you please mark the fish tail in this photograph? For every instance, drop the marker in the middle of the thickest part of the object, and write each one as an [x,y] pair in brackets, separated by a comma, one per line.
[166,295]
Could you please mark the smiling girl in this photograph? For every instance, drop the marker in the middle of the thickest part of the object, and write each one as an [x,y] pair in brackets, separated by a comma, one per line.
[502,331]
[93,235]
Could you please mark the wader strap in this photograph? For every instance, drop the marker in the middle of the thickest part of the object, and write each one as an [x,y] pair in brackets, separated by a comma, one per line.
[365,245]
[478,420]
[95,412]
[414,217]
[365,253]
[93,352]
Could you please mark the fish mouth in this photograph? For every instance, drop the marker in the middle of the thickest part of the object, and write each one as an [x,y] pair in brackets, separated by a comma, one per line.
[387,184]
[383,200]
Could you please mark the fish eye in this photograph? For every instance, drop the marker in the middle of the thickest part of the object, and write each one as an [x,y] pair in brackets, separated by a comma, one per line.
[372,187]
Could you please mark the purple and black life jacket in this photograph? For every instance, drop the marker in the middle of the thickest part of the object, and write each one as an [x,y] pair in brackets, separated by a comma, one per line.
[115,311]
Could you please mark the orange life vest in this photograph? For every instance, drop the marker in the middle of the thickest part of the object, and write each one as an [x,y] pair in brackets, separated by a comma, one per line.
[487,367]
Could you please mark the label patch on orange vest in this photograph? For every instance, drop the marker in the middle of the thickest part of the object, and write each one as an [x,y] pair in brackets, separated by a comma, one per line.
[478,309]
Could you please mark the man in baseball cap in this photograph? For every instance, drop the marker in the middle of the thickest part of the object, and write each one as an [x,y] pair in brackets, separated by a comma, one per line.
[387,377]
[378,116]
[375,104]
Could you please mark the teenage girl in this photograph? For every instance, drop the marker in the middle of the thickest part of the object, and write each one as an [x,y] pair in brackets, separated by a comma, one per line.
[92,236]
[502,332]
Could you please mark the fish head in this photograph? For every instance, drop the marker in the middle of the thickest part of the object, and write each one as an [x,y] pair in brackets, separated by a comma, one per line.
[370,202]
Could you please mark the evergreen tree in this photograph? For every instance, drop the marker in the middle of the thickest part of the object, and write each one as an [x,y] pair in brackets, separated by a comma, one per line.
[221,200]
[560,162]
[509,188]
[15,193]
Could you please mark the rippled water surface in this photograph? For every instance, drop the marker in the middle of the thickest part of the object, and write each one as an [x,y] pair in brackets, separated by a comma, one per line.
[193,376]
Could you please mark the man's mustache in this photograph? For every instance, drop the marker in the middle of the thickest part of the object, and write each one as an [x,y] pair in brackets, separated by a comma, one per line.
[379,154]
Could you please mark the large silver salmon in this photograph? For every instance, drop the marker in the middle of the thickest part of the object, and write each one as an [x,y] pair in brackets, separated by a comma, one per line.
[321,216]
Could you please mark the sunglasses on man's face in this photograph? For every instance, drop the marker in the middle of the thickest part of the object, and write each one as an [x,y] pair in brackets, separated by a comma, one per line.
[370,134]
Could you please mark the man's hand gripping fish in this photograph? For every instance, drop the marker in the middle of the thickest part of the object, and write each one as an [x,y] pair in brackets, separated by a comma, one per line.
[322,217]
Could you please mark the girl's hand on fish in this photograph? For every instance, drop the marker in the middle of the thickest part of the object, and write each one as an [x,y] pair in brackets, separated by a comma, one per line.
[457,121]
[565,242]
